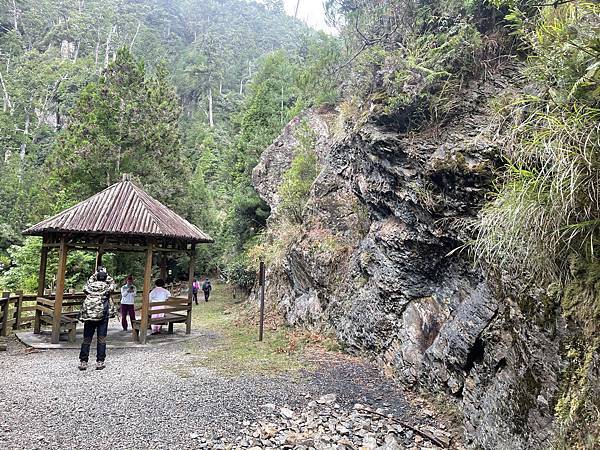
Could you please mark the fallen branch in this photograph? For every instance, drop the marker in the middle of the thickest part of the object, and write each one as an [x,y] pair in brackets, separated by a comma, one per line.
[422,433]
[554,4]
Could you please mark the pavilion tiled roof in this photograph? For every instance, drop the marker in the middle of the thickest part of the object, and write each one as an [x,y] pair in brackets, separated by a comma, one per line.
[121,209]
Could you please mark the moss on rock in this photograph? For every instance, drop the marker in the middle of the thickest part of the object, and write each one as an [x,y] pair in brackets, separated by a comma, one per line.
[578,407]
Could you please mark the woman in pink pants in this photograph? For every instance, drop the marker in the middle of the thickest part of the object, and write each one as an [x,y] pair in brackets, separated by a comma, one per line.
[128,292]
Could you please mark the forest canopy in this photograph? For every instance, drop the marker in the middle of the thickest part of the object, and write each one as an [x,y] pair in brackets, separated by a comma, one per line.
[184,95]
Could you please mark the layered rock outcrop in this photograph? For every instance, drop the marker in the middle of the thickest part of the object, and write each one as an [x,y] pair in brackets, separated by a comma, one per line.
[379,258]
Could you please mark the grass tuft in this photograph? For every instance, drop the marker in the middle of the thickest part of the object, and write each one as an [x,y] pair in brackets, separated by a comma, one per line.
[548,202]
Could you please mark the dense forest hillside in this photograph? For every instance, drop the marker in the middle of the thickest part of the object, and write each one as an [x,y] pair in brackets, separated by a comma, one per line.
[182,94]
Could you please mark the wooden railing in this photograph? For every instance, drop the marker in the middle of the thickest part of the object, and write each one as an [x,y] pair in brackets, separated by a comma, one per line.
[176,288]
[18,311]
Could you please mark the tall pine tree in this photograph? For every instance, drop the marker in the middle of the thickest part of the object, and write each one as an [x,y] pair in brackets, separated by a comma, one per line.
[126,122]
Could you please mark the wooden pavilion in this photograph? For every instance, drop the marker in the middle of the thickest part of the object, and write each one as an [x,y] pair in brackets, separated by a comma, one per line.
[123,217]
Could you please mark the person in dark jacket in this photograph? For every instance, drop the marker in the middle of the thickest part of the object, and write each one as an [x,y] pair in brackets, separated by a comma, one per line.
[206,288]
[95,313]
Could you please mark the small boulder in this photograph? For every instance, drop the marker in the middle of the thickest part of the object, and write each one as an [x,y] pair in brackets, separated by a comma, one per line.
[327,399]
[287,413]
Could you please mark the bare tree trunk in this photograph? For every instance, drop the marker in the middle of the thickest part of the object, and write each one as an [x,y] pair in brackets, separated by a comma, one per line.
[135,36]
[76,52]
[7,102]
[23,148]
[241,85]
[221,86]
[118,161]
[44,107]
[15,16]
[122,107]
[210,108]
[296,12]
[107,50]
[97,49]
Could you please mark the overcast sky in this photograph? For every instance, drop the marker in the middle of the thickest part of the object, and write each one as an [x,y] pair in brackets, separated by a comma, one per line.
[310,11]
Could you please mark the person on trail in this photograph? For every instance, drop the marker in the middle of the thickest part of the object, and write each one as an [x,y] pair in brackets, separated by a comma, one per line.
[128,292]
[95,312]
[206,288]
[195,289]
[158,294]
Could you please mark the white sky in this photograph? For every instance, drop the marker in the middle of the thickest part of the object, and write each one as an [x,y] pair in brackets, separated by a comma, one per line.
[310,11]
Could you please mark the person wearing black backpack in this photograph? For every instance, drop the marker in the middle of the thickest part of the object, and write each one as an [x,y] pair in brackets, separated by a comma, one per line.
[206,288]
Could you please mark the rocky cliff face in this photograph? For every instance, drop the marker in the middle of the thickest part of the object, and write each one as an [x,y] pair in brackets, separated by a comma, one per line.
[378,259]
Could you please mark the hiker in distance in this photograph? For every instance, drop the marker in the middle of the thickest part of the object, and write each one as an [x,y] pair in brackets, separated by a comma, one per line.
[128,292]
[206,288]
[95,312]
[195,289]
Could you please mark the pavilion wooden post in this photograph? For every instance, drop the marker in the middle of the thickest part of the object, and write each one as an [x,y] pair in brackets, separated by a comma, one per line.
[41,285]
[261,283]
[99,255]
[60,289]
[163,267]
[188,322]
[18,311]
[146,294]
[4,316]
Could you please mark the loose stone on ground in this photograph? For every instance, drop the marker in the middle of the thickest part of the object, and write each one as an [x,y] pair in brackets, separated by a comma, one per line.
[323,425]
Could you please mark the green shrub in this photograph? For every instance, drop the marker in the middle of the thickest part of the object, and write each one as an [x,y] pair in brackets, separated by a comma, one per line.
[412,56]
[419,72]
[25,264]
[238,271]
[298,179]
[547,205]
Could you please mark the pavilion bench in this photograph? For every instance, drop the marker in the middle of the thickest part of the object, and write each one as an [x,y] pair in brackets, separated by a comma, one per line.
[45,313]
[175,309]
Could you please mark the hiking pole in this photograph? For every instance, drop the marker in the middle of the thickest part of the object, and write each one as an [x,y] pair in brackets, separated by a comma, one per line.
[261,284]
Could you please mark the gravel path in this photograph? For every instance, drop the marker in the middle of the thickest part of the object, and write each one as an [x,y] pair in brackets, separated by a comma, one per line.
[155,398]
